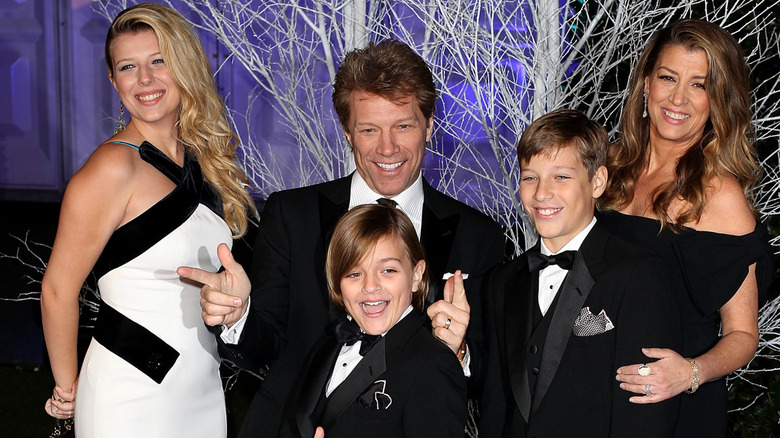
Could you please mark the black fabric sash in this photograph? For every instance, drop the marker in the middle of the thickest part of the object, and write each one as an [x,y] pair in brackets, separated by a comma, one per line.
[134,343]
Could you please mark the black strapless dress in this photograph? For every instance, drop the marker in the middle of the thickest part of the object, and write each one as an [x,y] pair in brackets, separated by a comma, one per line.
[706,269]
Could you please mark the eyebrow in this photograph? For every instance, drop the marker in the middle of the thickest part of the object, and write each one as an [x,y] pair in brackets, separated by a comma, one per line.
[556,168]
[406,120]
[675,72]
[390,259]
[151,55]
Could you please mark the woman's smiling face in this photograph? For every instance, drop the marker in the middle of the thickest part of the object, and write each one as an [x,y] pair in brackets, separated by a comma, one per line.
[677,101]
[142,80]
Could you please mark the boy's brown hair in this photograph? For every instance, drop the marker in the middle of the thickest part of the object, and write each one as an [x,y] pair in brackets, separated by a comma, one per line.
[562,128]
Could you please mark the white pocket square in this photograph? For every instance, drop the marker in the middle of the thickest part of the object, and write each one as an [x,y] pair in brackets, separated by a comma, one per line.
[447,276]
[588,324]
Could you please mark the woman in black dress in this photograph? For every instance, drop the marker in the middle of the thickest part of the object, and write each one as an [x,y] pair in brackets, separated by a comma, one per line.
[681,178]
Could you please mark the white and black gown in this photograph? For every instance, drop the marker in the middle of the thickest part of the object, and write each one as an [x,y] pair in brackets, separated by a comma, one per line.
[152,368]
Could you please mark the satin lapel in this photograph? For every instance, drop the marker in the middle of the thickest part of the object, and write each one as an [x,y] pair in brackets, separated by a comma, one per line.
[368,370]
[331,207]
[573,293]
[315,385]
[437,237]
[518,320]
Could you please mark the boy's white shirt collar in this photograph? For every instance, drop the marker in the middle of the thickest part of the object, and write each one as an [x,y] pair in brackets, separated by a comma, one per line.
[572,245]
[349,357]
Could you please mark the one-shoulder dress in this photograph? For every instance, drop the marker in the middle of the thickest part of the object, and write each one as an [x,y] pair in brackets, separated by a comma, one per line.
[152,368]
[706,269]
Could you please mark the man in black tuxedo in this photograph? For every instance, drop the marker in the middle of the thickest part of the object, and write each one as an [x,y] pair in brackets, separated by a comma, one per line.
[566,314]
[384,96]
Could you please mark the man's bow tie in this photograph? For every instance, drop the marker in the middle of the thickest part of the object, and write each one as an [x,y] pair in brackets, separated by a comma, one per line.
[538,261]
[348,332]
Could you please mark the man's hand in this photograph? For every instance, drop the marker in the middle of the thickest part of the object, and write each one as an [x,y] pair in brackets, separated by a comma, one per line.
[223,296]
[453,308]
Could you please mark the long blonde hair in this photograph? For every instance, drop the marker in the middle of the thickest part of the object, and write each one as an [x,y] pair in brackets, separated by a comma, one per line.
[203,127]
[725,145]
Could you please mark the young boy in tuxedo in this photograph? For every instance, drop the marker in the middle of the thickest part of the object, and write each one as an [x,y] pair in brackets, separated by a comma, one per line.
[563,316]
[380,372]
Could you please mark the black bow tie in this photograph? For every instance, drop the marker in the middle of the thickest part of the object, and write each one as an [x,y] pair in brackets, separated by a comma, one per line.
[348,332]
[387,202]
[538,261]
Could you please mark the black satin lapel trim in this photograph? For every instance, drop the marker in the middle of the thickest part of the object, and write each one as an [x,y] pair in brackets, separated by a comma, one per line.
[133,238]
[437,237]
[366,373]
[330,213]
[572,295]
[316,383]
[518,318]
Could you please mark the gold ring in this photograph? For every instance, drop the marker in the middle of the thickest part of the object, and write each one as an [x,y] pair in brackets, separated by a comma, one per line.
[447,323]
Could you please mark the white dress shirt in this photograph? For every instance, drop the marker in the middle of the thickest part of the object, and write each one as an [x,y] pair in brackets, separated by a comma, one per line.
[551,277]
[410,201]
[349,357]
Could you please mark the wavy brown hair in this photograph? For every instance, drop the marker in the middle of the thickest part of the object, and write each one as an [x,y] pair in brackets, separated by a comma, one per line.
[357,234]
[725,146]
[390,69]
[203,127]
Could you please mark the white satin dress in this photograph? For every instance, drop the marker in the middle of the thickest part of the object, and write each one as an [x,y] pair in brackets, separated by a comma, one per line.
[137,277]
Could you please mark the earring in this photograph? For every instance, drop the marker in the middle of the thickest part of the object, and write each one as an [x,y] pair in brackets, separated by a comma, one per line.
[644,113]
[121,124]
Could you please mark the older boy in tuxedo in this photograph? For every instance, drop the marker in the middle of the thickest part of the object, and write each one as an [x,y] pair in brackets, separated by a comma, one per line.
[563,316]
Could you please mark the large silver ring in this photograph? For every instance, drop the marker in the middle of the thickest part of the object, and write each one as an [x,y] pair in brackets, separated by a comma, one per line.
[447,323]
[647,390]
[644,370]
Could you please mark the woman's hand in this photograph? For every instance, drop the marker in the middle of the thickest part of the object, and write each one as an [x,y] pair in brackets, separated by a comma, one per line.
[670,375]
[62,403]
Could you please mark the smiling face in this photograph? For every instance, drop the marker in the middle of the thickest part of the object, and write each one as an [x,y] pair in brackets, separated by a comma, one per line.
[677,102]
[378,290]
[388,141]
[558,196]
[142,80]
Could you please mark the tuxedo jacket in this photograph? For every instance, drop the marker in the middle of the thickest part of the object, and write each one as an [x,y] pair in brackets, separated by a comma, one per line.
[290,308]
[409,384]
[549,380]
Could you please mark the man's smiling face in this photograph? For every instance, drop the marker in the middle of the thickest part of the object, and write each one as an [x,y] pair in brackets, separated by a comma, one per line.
[388,139]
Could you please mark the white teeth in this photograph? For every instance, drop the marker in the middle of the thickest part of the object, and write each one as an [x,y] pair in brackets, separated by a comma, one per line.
[547,211]
[675,116]
[389,166]
[149,97]
[373,307]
